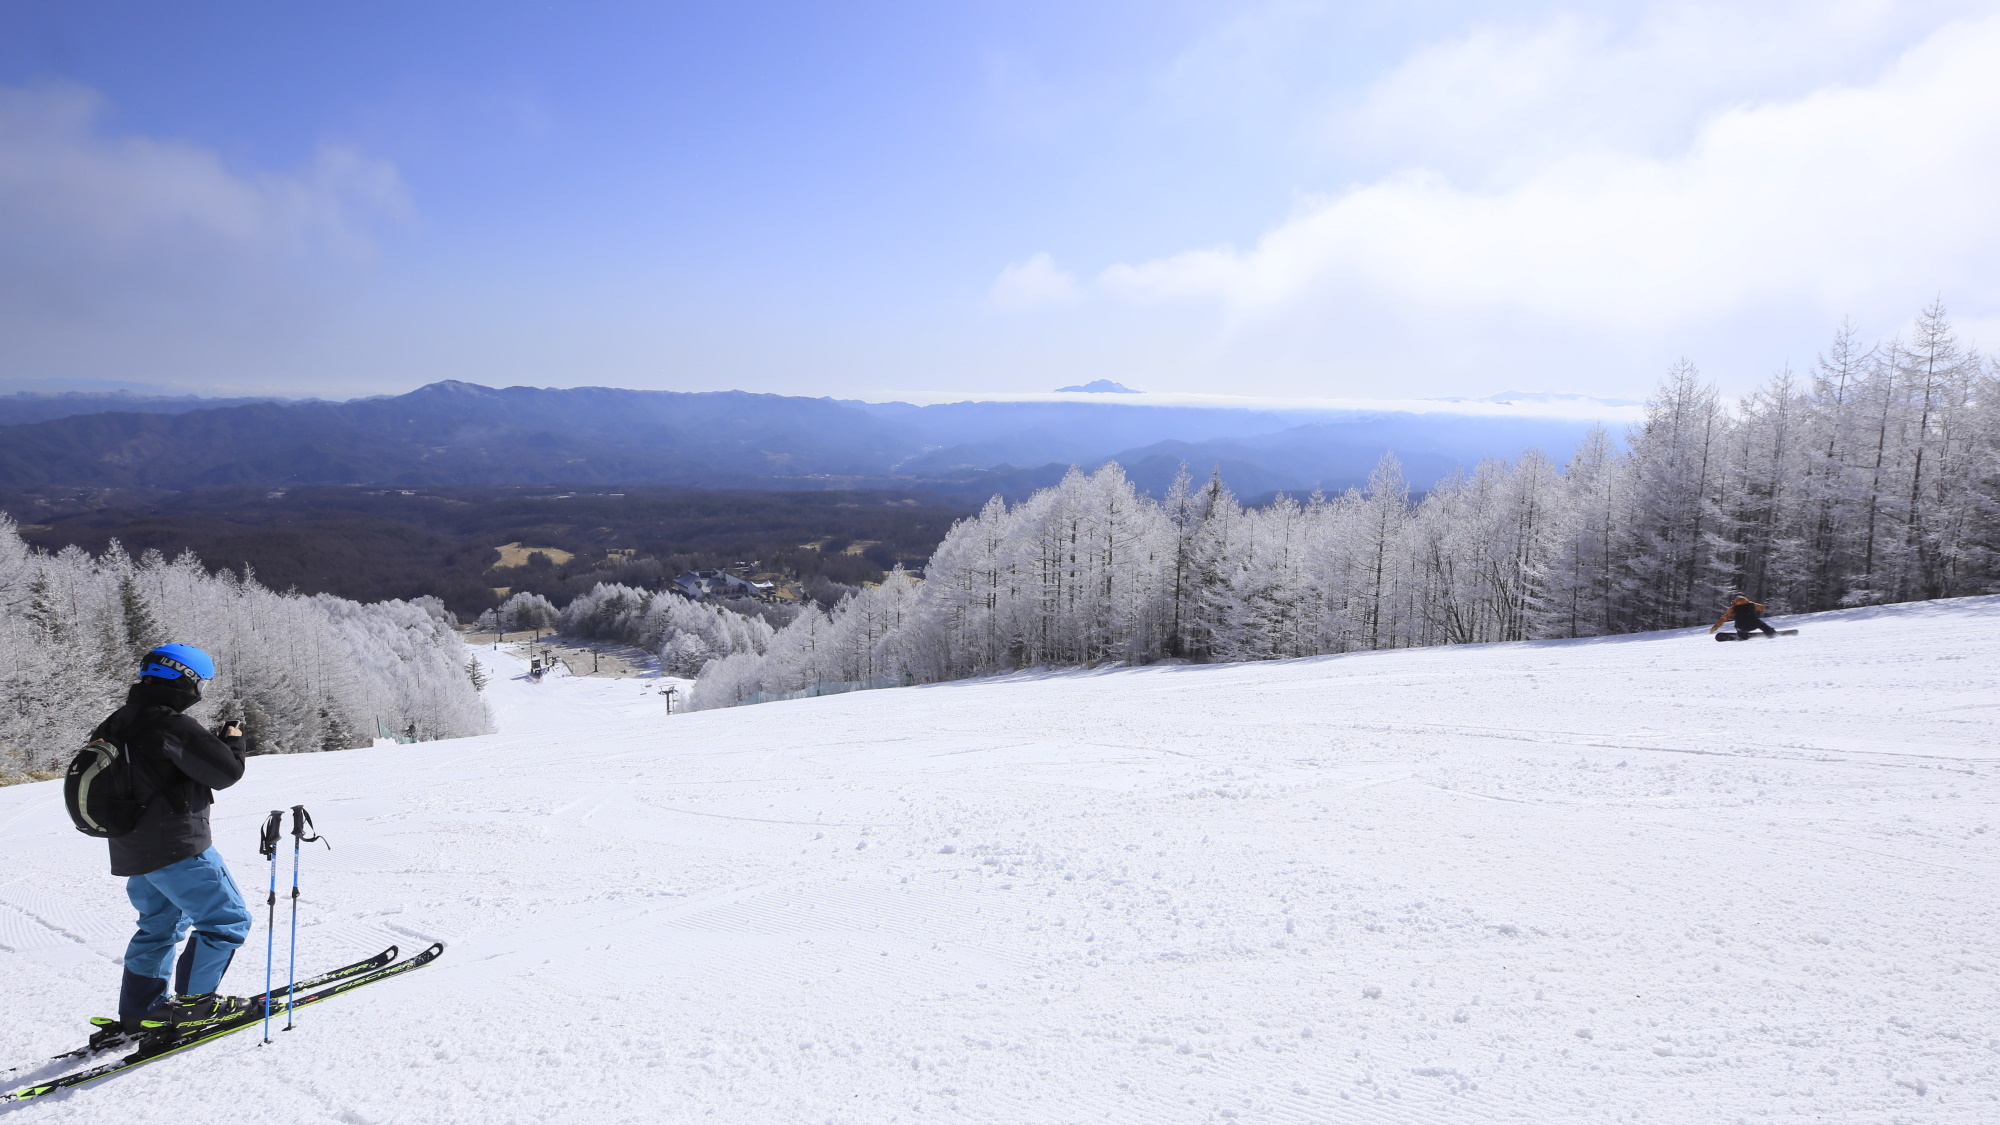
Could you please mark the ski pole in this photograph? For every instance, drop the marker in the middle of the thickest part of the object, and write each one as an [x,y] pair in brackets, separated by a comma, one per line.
[301,822]
[267,846]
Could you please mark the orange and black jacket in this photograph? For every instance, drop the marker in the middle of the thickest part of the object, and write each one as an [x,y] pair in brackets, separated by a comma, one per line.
[1750,610]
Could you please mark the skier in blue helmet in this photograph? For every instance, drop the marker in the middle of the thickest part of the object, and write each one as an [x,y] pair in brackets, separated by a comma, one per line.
[173,874]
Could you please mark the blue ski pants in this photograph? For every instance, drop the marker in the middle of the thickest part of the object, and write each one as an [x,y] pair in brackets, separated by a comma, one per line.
[195,893]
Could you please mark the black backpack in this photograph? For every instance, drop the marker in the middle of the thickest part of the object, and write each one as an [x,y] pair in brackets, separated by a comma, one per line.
[101,790]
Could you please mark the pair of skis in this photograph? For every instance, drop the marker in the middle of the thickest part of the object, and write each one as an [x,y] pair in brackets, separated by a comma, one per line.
[167,1041]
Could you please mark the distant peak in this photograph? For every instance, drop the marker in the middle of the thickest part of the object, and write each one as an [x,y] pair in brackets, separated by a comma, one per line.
[452,387]
[1100,387]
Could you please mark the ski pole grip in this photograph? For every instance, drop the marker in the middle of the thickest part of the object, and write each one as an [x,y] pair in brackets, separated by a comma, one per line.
[302,822]
[267,844]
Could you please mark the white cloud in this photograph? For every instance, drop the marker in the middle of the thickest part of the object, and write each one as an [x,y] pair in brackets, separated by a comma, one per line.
[1845,197]
[116,195]
[1501,97]
[1037,281]
[117,250]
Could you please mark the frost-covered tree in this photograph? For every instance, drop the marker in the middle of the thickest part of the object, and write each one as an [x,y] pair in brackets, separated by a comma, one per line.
[522,612]
[1377,565]
[685,634]
[302,673]
[1674,460]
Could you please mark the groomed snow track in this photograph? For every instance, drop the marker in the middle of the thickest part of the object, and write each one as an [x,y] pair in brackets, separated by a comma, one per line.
[1638,879]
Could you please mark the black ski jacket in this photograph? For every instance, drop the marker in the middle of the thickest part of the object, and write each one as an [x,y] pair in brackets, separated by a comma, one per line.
[178,764]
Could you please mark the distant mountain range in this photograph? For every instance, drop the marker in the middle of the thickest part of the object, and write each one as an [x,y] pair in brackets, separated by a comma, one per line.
[456,433]
[17,409]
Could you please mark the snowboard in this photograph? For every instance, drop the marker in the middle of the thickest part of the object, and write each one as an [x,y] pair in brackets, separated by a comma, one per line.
[1749,636]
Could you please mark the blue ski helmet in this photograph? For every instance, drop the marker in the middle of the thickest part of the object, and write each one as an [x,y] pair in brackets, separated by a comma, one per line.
[171,662]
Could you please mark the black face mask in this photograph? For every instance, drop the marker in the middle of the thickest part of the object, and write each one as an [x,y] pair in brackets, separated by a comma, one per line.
[166,693]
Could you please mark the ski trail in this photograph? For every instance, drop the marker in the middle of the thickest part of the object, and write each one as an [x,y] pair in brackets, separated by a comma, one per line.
[1546,882]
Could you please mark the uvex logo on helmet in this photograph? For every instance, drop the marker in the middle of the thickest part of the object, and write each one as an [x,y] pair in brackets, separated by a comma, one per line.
[173,662]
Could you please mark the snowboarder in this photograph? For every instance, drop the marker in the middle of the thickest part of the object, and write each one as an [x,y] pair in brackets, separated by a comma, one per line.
[173,875]
[1748,616]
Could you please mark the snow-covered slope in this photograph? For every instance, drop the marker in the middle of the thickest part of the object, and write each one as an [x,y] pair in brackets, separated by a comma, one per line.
[1640,879]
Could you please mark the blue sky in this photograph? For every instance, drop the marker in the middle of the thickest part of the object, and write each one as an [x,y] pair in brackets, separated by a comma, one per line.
[932,199]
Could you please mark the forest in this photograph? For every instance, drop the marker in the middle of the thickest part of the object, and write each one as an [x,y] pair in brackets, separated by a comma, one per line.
[1873,479]
[300,672]
[374,544]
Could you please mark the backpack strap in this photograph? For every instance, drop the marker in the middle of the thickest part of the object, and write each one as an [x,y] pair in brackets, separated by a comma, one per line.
[145,767]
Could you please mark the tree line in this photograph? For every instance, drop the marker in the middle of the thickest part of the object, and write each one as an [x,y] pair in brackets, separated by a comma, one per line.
[685,634]
[1873,479]
[300,672]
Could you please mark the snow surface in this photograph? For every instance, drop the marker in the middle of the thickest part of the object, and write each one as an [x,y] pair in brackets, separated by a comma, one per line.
[1648,879]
